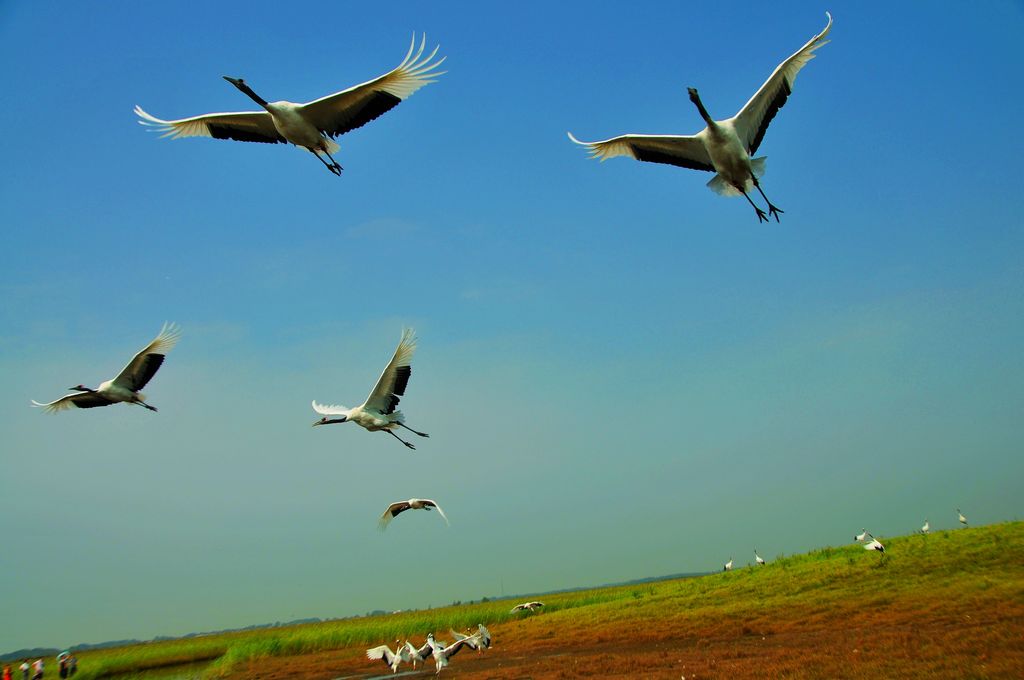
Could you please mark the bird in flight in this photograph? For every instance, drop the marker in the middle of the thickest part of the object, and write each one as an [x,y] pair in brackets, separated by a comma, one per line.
[723,147]
[391,658]
[418,655]
[874,544]
[378,412]
[313,125]
[125,387]
[444,652]
[398,507]
[480,640]
[532,606]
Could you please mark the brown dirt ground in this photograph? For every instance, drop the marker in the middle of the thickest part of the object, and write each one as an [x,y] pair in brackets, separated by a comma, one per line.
[872,644]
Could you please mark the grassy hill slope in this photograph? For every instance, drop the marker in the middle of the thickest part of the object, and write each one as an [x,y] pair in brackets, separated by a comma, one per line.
[950,604]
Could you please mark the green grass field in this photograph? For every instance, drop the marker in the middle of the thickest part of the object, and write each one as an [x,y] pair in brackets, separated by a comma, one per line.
[233,648]
[969,580]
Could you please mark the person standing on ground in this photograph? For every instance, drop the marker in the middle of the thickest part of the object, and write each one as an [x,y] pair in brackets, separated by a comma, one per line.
[7,672]
[37,669]
[72,665]
[24,670]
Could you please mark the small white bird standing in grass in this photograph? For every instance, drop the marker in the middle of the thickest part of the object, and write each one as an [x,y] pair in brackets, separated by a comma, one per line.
[724,147]
[960,516]
[758,558]
[444,652]
[312,125]
[399,507]
[727,566]
[391,658]
[926,527]
[862,536]
[378,412]
[532,606]
[125,387]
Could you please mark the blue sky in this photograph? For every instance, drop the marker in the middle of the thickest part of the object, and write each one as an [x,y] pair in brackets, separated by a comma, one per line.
[623,374]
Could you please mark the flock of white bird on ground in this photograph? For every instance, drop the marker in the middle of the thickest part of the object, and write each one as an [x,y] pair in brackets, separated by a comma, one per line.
[723,147]
[864,538]
[871,543]
[440,650]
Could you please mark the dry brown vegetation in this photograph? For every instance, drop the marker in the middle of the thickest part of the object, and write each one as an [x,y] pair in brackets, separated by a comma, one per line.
[956,645]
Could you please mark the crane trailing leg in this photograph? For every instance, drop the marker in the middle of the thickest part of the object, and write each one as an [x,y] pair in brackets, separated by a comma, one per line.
[400,439]
[422,434]
[333,166]
[761,215]
[337,165]
[771,208]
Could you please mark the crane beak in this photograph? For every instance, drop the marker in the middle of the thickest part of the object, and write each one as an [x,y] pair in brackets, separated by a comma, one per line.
[237,82]
[326,421]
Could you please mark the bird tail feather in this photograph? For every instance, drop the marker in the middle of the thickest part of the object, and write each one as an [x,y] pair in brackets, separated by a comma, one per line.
[757,165]
[722,187]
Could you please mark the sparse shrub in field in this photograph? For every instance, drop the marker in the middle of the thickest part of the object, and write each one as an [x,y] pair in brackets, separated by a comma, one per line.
[640,593]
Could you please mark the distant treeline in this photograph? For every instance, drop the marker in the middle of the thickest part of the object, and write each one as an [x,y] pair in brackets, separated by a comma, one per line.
[632,582]
[44,652]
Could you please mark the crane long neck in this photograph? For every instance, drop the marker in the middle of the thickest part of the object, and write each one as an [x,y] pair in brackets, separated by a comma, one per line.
[703,112]
[252,95]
